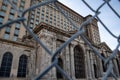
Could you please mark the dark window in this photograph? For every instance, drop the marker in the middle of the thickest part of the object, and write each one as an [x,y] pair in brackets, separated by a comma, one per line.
[118,63]
[22,66]
[79,62]
[95,70]
[5,68]
[104,66]
[60,63]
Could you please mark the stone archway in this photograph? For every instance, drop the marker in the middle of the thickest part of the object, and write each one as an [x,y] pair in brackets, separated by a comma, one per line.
[79,62]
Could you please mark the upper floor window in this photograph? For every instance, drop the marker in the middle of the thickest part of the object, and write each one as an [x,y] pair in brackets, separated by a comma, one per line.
[15,38]
[6,36]
[21,8]
[12,11]
[2,14]
[4,7]
[22,3]
[1,20]
[11,16]
[8,29]
[16,32]
[17,25]
[15,1]
[4,2]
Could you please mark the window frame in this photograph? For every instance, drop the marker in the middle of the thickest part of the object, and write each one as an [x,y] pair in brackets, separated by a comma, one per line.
[79,62]
[6,65]
[22,66]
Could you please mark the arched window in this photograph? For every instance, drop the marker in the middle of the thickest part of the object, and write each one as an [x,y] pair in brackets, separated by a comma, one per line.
[79,62]
[118,64]
[104,67]
[5,68]
[60,63]
[95,70]
[22,66]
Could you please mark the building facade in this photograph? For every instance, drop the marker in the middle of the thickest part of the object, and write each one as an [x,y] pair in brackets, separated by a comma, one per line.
[22,58]
[8,13]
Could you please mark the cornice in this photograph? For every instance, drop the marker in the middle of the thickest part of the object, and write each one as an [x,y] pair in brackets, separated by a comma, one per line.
[15,43]
[48,27]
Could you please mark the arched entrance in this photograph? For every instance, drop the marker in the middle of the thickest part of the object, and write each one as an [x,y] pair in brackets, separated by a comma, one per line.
[58,74]
[79,62]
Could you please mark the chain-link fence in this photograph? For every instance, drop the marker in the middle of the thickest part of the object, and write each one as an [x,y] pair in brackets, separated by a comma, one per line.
[80,31]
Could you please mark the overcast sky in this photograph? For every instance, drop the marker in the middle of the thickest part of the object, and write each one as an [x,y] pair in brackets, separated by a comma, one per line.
[107,16]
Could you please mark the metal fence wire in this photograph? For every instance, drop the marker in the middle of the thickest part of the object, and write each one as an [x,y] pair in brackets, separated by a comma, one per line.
[80,31]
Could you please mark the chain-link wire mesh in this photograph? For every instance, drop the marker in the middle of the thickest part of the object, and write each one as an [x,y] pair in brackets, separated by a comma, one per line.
[80,31]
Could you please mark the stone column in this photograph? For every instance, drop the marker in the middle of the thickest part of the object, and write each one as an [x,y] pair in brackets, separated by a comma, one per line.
[45,60]
[92,62]
[38,59]
[89,65]
[53,71]
[72,62]
[99,66]
[31,65]
[67,60]
[14,67]
[115,67]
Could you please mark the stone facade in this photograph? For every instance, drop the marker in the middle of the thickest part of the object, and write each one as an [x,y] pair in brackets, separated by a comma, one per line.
[39,59]
[53,29]
[7,13]
[17,49]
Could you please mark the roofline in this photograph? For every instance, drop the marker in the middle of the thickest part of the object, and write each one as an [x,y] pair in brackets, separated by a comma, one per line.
[70,9]
[51,28]
[106,45]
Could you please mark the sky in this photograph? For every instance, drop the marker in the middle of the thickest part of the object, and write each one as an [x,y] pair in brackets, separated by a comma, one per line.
[106,15]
